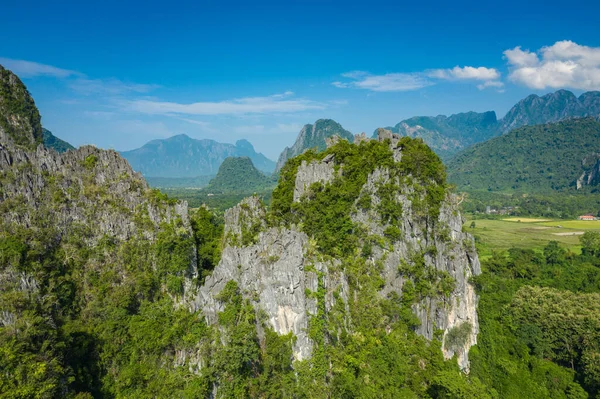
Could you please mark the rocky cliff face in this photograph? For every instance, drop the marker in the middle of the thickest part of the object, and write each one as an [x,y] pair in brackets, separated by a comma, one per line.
[313,136]
[280,266]
[591,176]
[84,245]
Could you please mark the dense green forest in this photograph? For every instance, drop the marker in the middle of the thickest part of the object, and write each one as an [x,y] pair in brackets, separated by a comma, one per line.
[532,159]
[540,325]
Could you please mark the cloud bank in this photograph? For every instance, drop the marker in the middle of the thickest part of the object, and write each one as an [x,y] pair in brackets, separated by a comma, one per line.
[394,82]
[565,64]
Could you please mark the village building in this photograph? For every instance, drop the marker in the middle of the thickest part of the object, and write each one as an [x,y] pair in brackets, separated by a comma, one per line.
[588,217]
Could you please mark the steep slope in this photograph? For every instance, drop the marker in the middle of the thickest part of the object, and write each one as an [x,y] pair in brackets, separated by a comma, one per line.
[541,158]
[19,117]
[448,135]
[53,142]
[313,136]
[90,257]
[388,253]
[238,175]
[245,149]
[182,156]
[354,284]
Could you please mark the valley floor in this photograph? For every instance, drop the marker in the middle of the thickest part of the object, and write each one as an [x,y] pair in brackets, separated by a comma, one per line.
[527,233]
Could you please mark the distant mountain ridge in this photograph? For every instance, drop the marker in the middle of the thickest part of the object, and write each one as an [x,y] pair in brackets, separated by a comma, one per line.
[552,107]
[51,141]
[557,156]
[182,156]
[448,135]
[313,136]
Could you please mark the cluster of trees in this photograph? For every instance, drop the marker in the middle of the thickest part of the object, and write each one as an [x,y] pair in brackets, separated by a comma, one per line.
[539,321]
[552,205]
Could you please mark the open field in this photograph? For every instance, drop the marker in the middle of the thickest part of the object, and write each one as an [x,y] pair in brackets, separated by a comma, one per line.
[526,220]
[528,233]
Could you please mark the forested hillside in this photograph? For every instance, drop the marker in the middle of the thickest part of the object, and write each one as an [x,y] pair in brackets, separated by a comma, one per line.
[238,175]
[532,159]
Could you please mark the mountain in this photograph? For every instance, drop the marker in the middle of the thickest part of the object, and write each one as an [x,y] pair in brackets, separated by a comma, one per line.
[313,136]
[182,156]
[448,135]
[111,289]
[358,281]
[552,107]
[238,175]
[90,261]
[19,117]
[51,141]
[530,159]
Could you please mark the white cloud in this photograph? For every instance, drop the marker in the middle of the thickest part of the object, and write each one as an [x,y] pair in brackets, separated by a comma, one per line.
[384,83]
[565,64]
[108,86]
[465,73]
[417,80]
[29,69]
[277,103]
[490,83]
[520,58]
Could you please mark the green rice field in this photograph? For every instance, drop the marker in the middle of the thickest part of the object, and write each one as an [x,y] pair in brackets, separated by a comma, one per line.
[502,234]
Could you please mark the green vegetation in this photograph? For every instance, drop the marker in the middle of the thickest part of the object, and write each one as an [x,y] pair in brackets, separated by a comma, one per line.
[448,135]
[313,137]
[19,117]
[560,205]
[533,159]
[238,175]
[51,141]
[502,234]
[539,322]
[326,216]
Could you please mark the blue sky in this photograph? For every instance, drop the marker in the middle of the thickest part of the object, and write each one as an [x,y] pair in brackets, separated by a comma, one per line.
[118,74]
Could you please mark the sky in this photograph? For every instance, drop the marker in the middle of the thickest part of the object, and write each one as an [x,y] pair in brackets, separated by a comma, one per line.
[118,74]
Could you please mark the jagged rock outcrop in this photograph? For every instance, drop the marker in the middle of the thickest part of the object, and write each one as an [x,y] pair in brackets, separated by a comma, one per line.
[313,172]
[281,266]
[313,136]
[93,187]
[591,177]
